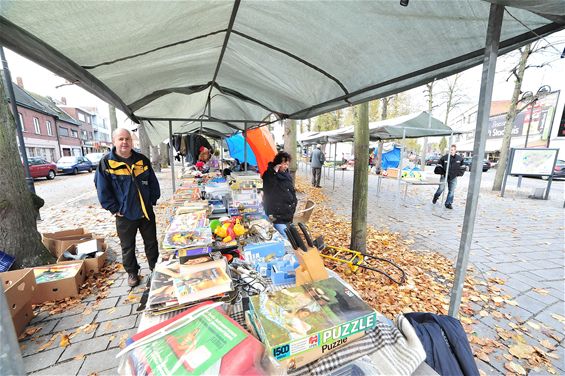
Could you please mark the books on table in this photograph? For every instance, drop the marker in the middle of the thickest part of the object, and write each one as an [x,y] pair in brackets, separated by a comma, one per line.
[201,340]
[300,324]
[200,281]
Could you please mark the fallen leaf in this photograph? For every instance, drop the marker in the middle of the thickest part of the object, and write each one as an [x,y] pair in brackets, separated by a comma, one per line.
[79,357]
[521,351]
[48,343]
[540,291]
[64,340]
[508,357]
[545,343]
[482,356]
[516,368]
[534,325]
[483,313]
[497,299]
[29,331]
[558,317]
[482,373]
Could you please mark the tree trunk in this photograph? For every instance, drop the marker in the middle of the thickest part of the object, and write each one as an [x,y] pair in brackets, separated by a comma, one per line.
[505,148]
[430,88]
[164,151]
[155,158]
[113,119]
[144,143]
[18,228]
[360,181]
[289,138]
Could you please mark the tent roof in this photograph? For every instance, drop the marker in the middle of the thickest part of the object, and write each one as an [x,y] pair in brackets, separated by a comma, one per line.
[410,126]
[227,60]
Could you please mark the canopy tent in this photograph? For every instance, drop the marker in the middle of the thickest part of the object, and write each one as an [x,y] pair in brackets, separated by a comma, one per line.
[241,61]
[237,145]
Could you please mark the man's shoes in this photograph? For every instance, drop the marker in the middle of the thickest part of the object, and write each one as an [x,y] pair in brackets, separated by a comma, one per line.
[133,279]
[318,186]
[448,206]
[434,200]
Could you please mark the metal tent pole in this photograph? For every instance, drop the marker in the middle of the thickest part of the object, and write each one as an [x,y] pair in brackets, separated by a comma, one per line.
[11,362]
[245,144]
[171,158]
[487,81]
[400,167]
[335,156]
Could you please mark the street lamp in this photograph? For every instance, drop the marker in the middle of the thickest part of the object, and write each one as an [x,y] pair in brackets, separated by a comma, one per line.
[528,96]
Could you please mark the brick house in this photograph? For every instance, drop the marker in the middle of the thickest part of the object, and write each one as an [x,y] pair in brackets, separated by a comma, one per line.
[38,125]
[84,118]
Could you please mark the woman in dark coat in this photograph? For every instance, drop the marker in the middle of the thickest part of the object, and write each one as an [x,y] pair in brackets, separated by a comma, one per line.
[279,195]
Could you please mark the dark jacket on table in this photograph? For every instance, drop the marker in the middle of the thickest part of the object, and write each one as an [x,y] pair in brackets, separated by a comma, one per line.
[279,195]
[120,186]
[456,167]
[445,341]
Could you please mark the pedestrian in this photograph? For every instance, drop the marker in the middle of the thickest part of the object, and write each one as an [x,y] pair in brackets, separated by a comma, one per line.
[455,169]
[317,160]
[128,188]
[279,195]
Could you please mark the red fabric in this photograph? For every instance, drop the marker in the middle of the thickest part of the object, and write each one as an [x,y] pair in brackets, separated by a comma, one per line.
[261,142]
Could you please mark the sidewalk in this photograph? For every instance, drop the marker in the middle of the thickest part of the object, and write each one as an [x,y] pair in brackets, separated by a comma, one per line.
[517,239]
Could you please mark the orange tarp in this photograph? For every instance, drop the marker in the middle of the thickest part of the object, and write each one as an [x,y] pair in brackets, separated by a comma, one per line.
[263,146]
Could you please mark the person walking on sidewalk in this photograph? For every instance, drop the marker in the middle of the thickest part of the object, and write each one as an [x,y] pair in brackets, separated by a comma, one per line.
[317,160]
[455,169]
[128,188]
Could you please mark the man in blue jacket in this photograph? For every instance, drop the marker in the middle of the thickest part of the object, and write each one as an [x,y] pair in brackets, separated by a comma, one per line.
[128,188]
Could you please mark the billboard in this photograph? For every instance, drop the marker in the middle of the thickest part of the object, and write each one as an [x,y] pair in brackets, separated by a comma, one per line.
[533,161]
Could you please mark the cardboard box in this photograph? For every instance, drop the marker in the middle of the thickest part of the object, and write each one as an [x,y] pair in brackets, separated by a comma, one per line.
[23,318]
[19,287]
[58,242]
[61,288]
[392,172]
[91,265]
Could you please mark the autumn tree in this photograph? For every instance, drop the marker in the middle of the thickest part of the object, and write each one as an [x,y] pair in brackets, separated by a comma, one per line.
[289,137]
[360,181]
[327,122]
[442,145]
[18,228]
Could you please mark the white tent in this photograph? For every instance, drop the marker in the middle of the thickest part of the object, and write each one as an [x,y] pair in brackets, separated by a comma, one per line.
[241,61]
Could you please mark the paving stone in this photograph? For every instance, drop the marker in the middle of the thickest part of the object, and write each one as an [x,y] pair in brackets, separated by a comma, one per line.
[101,361]
[46,326]
[32,345]
[104,303]
[114,313]
[548,320]
[75,321]
[69,312]
[119,291]
[117,325]
[546,299]
[66,368]
[109,372]
[42,360]
[86,347]
[530,304]
[41,316]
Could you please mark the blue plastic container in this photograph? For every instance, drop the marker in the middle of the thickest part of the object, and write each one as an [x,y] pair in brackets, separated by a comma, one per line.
[6,261]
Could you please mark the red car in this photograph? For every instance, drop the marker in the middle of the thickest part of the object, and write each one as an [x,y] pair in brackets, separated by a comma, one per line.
[40,168]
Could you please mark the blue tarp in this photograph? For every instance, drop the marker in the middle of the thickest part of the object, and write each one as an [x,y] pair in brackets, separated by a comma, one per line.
[235,145]
[390,158]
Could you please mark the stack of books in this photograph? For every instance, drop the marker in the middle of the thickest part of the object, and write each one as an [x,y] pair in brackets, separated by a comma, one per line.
[301,324]
[192,278]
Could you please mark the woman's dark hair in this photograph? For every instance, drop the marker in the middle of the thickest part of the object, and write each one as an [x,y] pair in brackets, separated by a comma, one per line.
[281,157]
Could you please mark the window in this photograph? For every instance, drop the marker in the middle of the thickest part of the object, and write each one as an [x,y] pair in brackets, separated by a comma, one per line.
[36,125]
[49,128]
[64,131]
[84,135]
[81,116]
[74,133]
[21,122]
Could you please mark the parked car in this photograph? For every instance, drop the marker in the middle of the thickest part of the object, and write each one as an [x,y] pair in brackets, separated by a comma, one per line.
[40,168]
[95,158]
[432,159]
[73,165]
[559,169]
[468,161]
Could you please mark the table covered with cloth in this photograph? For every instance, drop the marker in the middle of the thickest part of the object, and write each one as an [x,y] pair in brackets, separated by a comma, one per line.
[393,347]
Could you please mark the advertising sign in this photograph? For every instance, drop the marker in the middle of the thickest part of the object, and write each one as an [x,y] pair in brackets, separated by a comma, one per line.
[533,161]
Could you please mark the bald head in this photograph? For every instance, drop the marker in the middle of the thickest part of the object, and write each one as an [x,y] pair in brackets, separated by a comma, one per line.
[121,138]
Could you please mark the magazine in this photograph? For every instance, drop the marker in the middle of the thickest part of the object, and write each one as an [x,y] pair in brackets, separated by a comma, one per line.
[200,281]
[298,319]
[49,273]
[201,340]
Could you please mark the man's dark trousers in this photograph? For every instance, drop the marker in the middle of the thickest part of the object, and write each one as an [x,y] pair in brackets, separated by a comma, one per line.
[316,175]
[127,230]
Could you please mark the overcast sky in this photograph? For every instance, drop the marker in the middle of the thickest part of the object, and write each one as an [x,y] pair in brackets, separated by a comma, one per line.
[44,82]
